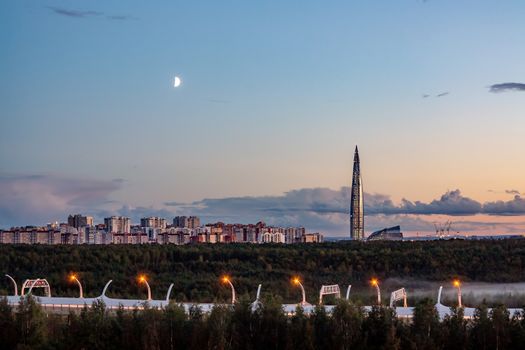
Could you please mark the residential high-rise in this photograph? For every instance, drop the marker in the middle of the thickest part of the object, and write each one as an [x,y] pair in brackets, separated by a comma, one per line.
[153,222]
[357,222]
[180,221]
[186,222]
[78,221]
[117,224]
[194,222]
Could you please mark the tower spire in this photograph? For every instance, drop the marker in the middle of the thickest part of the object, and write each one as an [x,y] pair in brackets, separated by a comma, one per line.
[356,201]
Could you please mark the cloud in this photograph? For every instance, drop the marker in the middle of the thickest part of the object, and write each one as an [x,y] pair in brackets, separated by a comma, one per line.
[514,192]
[121,17]
[326,209]
[74,13]
[317,208]
[174,204]
[516,206]
[37,199]
[450,203]
[86,14]
[504,87]
[214,100]
[136,213]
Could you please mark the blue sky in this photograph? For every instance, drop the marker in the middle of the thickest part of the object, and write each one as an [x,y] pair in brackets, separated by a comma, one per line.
[275,95]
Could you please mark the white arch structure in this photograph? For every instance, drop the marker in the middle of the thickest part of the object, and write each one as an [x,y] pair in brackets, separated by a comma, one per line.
[36,283]
[328,290]
[65,304]
[399,294]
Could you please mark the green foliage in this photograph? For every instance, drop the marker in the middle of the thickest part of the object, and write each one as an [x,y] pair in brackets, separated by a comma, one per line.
[300,335]
[243,326]
[195,269]
[426,328]
[380,329]
[31,324]
[347,320]
[8,328]
[455,330]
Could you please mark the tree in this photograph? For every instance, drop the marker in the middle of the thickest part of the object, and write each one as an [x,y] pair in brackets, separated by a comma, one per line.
[91,329]
[481,329]
[322,326]
[218,322]
[426,332]
[380,328]
[196,329]
[500,324]
[271,329]
[172,329]
[30,321]
[150,322]
[347,320]
[8,329]
[300,331]
[243,323]
[517,330]
[455,332]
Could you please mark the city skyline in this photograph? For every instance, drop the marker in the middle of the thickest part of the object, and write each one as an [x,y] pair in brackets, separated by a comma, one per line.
[273,97]
[81,229]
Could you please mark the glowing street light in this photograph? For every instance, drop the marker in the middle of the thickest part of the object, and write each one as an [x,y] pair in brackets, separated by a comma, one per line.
[227,280]
[296,281]
[375,283]
[457,284]
[143,279]
[73,278]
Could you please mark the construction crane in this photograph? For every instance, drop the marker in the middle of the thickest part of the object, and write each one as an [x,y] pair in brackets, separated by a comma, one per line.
[448,224]
[442,228]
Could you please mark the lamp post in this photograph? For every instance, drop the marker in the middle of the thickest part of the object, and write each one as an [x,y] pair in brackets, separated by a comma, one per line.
[74,278]
[227,280]
[143,279]
[14,284]
[348,292]
[375,283]
[457,284]
[297,282]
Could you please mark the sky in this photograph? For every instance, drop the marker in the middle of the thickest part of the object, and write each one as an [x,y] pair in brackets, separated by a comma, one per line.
[274,97]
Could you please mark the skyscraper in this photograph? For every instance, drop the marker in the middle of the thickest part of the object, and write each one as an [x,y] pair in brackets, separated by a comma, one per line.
[117,224]
[78,221]
[357,222]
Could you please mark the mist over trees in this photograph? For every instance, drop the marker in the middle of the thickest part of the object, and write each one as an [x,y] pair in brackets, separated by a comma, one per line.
[195,269]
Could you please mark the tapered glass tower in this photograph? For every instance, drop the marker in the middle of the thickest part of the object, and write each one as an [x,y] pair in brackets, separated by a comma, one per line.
[357,220]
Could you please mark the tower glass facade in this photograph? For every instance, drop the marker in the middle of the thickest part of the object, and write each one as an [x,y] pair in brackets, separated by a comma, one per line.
[357,222]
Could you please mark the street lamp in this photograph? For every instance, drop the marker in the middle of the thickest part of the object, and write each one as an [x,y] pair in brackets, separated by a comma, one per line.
[375,283]
[457,284]
[226,280]
[143,279]
[297,282]
[73,278]
[14,284]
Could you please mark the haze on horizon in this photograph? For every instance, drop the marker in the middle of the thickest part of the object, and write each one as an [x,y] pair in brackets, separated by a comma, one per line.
[275,96]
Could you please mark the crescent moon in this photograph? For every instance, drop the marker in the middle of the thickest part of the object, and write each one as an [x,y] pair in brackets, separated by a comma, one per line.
[177,82]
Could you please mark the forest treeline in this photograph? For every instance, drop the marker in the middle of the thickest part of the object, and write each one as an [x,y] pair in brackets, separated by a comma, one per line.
[265,327]
[195,269]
